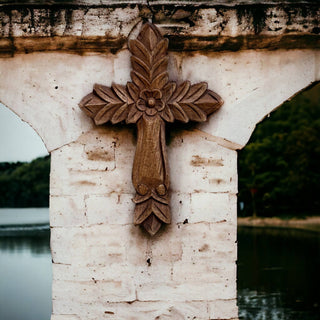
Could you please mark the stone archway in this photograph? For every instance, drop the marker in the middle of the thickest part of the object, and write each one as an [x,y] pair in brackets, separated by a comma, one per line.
[103,266]
[91,171]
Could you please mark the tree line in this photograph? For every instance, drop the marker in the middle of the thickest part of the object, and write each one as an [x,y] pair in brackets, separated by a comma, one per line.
[25,184]
[279,169]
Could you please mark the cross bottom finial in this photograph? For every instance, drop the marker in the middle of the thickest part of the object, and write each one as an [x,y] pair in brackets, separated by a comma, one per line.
[150,101]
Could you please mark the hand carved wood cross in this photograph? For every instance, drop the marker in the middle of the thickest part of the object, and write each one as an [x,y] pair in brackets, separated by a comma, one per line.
[150,101]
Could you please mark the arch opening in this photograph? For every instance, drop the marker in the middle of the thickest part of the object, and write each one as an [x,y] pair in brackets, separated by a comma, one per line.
[278,169]
[278,197]
[25,264]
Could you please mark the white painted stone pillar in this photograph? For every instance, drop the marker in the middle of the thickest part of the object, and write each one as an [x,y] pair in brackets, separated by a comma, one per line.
[103,266]
[106,268]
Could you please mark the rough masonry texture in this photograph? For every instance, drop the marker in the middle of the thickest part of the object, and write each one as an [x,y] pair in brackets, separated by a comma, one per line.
[254,54]
[104,26]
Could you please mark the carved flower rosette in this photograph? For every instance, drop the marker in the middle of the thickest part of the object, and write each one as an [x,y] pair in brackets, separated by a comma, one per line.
[150,100]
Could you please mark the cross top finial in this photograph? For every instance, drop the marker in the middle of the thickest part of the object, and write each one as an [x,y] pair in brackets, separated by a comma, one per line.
[150,100]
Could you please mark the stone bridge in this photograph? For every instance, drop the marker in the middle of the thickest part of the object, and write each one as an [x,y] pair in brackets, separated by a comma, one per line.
[254,54]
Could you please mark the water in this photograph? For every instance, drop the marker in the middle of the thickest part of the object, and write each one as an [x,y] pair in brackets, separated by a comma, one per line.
[278,270]
[25,265]
[25,216]
[278,274]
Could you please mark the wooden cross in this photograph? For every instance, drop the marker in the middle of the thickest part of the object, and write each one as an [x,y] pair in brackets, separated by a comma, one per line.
[150,101]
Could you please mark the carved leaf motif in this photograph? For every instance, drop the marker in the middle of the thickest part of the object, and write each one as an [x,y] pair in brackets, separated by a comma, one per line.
[193,102]
[144,209]
[161,211]
[91,104]
[168,90]
[133,90]
[134,115]
[149,59]
[107,104]
[167,114]
[152,224]
[210,102]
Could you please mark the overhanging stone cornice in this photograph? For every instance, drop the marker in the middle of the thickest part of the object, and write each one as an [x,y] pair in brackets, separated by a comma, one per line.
[103,26]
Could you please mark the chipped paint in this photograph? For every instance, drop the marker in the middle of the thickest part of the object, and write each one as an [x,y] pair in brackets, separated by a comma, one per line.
[198,161]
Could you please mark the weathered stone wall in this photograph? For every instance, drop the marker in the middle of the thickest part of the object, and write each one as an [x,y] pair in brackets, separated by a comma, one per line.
[85,26]
[106,268]
[103,266]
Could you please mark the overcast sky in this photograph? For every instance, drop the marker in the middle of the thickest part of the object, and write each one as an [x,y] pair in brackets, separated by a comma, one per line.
[19,142]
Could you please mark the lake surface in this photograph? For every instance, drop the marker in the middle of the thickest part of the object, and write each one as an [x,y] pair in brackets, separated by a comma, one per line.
[278,274]
[25,264]
[25,216]
[278,270]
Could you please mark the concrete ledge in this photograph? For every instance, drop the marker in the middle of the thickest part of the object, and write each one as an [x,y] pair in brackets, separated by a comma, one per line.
[72,26]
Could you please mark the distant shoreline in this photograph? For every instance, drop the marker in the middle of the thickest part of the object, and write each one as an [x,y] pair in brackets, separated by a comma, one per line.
[309,223]
[29,230]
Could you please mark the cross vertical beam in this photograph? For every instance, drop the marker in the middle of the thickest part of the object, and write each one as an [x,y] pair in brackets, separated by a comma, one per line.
[150,101]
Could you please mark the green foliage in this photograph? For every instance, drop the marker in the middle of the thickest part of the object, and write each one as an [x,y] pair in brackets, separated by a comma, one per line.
[279,171]
[25,184]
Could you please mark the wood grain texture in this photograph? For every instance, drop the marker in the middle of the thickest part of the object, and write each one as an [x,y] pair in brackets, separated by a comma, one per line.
[150,101]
